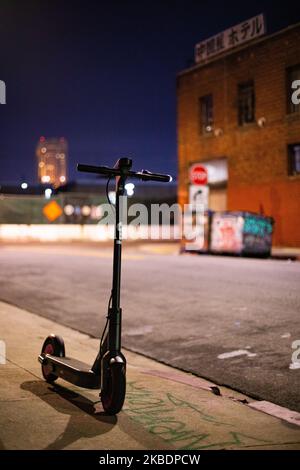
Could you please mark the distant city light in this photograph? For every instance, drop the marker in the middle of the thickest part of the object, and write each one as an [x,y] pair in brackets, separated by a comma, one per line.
[24,185]
[45,179]
[129,189]
[43,150]
[41,164]
[48,193]
[96,212]
[62,179]
[77,210]
[69,209]
[86,210]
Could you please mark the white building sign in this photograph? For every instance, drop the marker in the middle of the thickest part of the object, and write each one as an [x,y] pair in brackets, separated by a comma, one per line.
[198,196]
[230,38]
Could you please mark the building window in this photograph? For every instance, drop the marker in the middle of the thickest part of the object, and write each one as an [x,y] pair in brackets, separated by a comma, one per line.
[246,103]
[294,159]
[206,113]
[292,74]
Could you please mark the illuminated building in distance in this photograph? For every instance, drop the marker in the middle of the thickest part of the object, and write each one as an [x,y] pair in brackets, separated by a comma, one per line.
[52,156]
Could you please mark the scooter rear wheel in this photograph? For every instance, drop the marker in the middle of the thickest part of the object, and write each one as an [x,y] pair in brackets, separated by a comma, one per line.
[55,346]
[113,394]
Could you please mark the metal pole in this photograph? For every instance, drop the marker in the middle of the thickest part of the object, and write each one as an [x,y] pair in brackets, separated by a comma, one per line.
[115,312]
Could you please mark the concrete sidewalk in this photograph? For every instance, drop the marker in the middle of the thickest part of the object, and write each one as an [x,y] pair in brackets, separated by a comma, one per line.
[286,253]
[164,408]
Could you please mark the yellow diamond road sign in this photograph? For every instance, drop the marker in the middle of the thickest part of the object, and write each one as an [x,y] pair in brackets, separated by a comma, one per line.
[52,211]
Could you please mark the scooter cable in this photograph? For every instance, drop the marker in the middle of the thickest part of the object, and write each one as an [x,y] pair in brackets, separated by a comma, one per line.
[107,320]
[107,195]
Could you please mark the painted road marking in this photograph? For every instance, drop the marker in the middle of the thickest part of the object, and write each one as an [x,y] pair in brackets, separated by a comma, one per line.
[294,365]
[238,352]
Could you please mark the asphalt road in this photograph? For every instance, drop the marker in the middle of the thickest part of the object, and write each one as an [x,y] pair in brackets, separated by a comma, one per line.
[187,311]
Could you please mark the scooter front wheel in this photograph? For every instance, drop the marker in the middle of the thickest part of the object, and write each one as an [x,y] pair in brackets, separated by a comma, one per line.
[55,346]
[113,393]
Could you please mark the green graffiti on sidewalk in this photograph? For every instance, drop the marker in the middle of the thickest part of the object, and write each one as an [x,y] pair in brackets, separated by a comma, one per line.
[160,417]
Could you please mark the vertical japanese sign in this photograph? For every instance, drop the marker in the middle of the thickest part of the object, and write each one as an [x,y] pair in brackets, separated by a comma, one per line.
[230,38]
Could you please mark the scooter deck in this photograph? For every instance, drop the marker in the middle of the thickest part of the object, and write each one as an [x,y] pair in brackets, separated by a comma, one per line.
[71,362]
[77,372]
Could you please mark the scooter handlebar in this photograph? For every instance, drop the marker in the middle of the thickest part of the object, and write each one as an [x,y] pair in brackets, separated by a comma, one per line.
[147,175]
[143,175]
[99,170]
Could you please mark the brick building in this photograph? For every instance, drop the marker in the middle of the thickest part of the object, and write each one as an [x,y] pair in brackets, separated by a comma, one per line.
[52,157]
[235,114]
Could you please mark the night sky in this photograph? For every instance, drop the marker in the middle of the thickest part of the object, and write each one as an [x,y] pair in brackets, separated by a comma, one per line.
[102,74]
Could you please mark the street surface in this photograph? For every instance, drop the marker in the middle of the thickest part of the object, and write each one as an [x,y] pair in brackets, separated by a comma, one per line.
[231,320]
[164,409]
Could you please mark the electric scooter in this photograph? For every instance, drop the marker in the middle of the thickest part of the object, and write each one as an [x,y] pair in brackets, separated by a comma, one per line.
[108,371]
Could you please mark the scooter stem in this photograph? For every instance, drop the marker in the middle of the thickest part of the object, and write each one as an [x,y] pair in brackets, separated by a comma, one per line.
[116,287]
[115,312]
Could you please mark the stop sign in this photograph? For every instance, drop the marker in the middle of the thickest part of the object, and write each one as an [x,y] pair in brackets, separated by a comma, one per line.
[198,174]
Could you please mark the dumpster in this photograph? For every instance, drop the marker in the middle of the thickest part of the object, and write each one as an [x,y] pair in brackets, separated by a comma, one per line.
[241,233]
